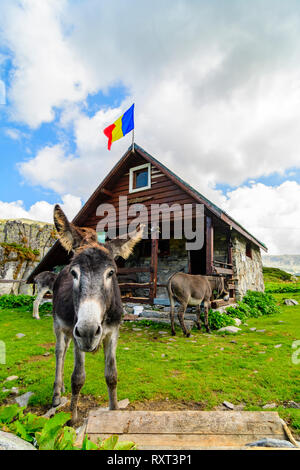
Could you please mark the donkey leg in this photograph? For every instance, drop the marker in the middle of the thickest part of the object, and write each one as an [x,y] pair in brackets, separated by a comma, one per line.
[206,304]
[111,377]
[180,315]
[37,302]
[198,320]
[67,343]
[77,381]
[172,316]
[62,343]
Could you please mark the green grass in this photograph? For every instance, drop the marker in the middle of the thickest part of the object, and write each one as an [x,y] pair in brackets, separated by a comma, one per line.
[276,275]
[153,367]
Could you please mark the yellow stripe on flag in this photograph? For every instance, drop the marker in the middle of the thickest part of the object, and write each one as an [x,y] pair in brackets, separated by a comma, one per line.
[117,133]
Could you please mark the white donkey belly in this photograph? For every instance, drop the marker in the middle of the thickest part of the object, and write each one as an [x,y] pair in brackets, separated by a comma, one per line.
[194,302]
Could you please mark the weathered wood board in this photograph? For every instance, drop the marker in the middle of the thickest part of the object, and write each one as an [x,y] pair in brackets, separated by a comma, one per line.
[185,429]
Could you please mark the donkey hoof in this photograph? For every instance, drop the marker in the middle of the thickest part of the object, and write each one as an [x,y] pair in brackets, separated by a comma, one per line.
[56,401]
[188,335]
[173,333]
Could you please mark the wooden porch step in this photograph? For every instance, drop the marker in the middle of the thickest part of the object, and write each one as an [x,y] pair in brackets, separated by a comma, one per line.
[185,429]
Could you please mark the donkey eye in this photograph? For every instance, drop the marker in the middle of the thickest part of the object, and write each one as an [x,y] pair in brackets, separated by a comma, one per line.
[74,273]
[110,273]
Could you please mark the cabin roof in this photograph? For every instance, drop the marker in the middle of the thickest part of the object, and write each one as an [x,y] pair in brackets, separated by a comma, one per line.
[79,219]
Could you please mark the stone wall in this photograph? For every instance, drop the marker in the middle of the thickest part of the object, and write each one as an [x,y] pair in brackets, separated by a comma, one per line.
[177,260]
[35,235]
[247,271]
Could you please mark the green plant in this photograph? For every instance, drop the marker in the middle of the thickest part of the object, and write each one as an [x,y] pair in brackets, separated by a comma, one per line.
[13,301]
[217,320]
[52,433]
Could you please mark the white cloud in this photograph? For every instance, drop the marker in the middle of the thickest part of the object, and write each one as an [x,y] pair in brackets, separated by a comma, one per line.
[271,214]
[216,87]
[41,210]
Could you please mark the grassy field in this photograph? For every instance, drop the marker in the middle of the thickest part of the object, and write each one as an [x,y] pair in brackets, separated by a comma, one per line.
[159,371]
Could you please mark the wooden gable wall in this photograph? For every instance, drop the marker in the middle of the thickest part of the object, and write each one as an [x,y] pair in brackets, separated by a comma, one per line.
[163,190]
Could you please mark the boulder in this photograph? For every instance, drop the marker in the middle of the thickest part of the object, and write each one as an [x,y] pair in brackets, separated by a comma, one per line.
[290,302]
[9,441]
[230,329]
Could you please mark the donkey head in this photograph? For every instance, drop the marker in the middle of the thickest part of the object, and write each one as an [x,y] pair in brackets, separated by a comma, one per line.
[93,271]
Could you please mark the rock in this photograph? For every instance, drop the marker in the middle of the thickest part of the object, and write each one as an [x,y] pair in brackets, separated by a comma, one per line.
[9,441]
[137,329]
[228,405]
[122,404]
[260,331]
[290,302]
[23,400]
[252,329]
[20,335]
[230,329]
[163,332]
[277,345]
[268,442]
[53,410]
[269,406]
[11,378]
[237,321]
[292,404]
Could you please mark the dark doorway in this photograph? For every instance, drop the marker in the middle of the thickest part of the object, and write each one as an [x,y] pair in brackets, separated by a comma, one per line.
[197,261]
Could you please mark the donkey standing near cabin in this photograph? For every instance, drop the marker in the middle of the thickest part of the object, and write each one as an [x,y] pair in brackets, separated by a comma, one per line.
[44,283]
[87,305]
[191,289]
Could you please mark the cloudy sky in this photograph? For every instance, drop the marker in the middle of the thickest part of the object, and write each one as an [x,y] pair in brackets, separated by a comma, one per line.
[216,87]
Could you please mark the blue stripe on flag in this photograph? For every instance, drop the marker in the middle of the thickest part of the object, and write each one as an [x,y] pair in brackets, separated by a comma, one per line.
[128,120]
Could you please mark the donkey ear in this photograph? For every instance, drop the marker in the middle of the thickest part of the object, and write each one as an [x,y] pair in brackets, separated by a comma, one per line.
[69,237]
[124,248]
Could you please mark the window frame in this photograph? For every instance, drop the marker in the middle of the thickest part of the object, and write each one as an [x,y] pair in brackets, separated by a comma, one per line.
[131,178]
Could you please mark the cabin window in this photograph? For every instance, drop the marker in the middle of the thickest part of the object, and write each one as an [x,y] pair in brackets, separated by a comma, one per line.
[140,178]
[101,236]
[249,250]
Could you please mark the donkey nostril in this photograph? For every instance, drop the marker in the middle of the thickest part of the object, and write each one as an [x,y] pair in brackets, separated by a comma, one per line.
[77,332]
[98,331]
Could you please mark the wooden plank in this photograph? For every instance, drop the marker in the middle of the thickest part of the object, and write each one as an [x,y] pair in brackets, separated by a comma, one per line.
[174,429]
[219,270]
[221,303]
[209,246]
[139,300]
[141,269]
[136,285]
[154,266]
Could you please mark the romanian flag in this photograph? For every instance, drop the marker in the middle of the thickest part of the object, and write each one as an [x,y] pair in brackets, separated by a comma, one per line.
[120,127]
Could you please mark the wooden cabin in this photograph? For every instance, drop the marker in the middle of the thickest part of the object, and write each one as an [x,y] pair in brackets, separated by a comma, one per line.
[229,250]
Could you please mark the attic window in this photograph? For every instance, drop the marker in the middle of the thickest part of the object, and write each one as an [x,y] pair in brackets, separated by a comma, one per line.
[249,250]
[140,178]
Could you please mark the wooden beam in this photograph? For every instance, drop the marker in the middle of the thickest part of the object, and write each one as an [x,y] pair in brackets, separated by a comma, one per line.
[141,269]
[106,192]
[209,245]
[136,285]
[223,270]
[154,263]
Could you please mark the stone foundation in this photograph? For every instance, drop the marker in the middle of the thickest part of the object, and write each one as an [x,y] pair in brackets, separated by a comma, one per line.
[247,271]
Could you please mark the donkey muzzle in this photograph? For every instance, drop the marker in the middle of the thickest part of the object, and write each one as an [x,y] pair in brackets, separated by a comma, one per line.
[88,330]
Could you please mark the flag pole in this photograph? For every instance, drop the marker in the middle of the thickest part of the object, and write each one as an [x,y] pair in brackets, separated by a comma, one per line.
[133,139]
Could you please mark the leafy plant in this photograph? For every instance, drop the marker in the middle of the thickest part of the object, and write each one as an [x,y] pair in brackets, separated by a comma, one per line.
[13,301]
[52,433]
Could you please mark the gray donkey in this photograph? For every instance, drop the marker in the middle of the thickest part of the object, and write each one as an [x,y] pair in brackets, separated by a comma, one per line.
[87,305]
[44,283]
[192,289]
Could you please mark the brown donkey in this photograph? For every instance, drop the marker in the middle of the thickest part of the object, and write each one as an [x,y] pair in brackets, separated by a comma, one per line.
[87,305]
[190,289]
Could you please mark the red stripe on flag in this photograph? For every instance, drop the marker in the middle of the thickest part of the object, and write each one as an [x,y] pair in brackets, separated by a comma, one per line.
[108,132]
